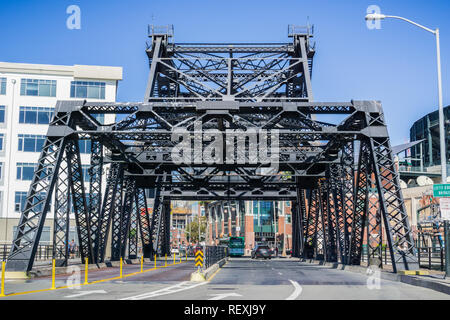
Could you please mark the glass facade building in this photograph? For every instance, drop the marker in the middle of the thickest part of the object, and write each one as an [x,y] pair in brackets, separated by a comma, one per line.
[427,128]
[263,220]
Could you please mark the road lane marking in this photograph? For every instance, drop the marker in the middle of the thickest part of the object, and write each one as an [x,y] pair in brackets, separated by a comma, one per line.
[214,274]
[297,290]
[84,293]
[221,296]
[75,284]
[169,290]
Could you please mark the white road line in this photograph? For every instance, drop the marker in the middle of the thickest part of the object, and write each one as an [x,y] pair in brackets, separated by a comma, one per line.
[221,296]
[84,293]
[280,273]
[186,285]
[297,291]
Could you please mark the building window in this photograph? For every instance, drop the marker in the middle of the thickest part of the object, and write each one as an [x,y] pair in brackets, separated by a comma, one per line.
[19,202]
[2,114]
[2,85]
[25,171]
[35,115]
[288,203]
[31,142]
[288,218]
[87,89]
[38,87]
[1,170]
[100,117]
[2,141]
[73,235]
[85,170]
[85,146]
[45,234]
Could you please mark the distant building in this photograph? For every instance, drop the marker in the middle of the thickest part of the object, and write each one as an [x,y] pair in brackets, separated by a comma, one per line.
[28,95]
[262,221]
[427,128]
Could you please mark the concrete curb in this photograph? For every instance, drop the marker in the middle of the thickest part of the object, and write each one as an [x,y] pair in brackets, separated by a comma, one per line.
[411,280]
[206,274]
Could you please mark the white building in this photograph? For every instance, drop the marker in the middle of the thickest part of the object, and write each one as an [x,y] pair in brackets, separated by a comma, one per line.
[28,95]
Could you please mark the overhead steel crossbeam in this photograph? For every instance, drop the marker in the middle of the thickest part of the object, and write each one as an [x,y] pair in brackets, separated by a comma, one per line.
[219,122]
[229,71]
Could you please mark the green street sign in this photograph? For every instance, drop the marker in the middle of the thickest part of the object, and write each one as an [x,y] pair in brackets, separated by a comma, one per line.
[441,190]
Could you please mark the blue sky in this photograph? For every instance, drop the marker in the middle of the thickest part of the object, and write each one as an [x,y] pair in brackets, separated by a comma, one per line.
[396,64]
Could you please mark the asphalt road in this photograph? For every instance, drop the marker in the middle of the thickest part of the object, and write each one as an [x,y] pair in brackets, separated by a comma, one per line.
[240,278]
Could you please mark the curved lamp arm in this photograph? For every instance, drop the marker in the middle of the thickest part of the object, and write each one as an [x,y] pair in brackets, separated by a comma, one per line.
[412,22]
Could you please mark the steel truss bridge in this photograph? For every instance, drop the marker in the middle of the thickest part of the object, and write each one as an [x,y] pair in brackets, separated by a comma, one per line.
[334,158]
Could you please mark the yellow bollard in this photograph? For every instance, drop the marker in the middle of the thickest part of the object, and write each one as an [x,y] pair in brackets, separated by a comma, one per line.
[2,293]
[165,265]
[121,268]
[86,270]
[180,257]
[186,255]
[53,273]
[174,258]
[142,263]
[155,261]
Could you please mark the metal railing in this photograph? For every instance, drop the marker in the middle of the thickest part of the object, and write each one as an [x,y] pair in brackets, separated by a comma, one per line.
[166,30]
[431,258]
[295,29]
[383,253]
[214,254]
[43,252]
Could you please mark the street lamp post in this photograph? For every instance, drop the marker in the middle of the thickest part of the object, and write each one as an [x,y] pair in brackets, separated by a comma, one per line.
[377,16]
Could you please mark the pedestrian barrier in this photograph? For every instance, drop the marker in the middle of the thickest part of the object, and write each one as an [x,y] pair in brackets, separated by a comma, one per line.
[86,274]
[53,273]
[214,254]
[86,270]
[2,293]
[43,252]
[121,265]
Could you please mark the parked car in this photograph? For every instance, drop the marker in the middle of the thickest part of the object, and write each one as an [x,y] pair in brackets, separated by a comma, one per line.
[197,248]
[289,252]
[175,250]
[261,251]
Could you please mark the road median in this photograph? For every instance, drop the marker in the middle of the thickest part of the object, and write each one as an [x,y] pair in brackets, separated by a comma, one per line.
[205,275]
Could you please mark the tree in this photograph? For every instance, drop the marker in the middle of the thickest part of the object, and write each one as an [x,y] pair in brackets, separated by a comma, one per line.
[192,229]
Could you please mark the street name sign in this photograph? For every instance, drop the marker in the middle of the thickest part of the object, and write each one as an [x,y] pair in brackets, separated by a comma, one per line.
[444,204]
[441,190]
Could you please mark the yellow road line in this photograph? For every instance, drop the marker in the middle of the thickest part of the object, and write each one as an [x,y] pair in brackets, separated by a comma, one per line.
[81,284]
[214,274]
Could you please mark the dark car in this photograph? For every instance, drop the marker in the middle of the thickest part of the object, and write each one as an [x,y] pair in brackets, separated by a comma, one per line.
[289,252]
[197,248]
[261,251]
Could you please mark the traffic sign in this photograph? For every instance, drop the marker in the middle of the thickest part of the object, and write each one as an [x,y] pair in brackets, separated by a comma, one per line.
[441,190]
[444,204]
[199,258]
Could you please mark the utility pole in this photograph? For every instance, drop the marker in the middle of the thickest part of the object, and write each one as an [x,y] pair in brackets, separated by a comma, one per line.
[447,247]
[275,223]
[284,230]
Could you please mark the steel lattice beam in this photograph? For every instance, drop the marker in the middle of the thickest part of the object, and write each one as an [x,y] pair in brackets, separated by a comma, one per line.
[201,94]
